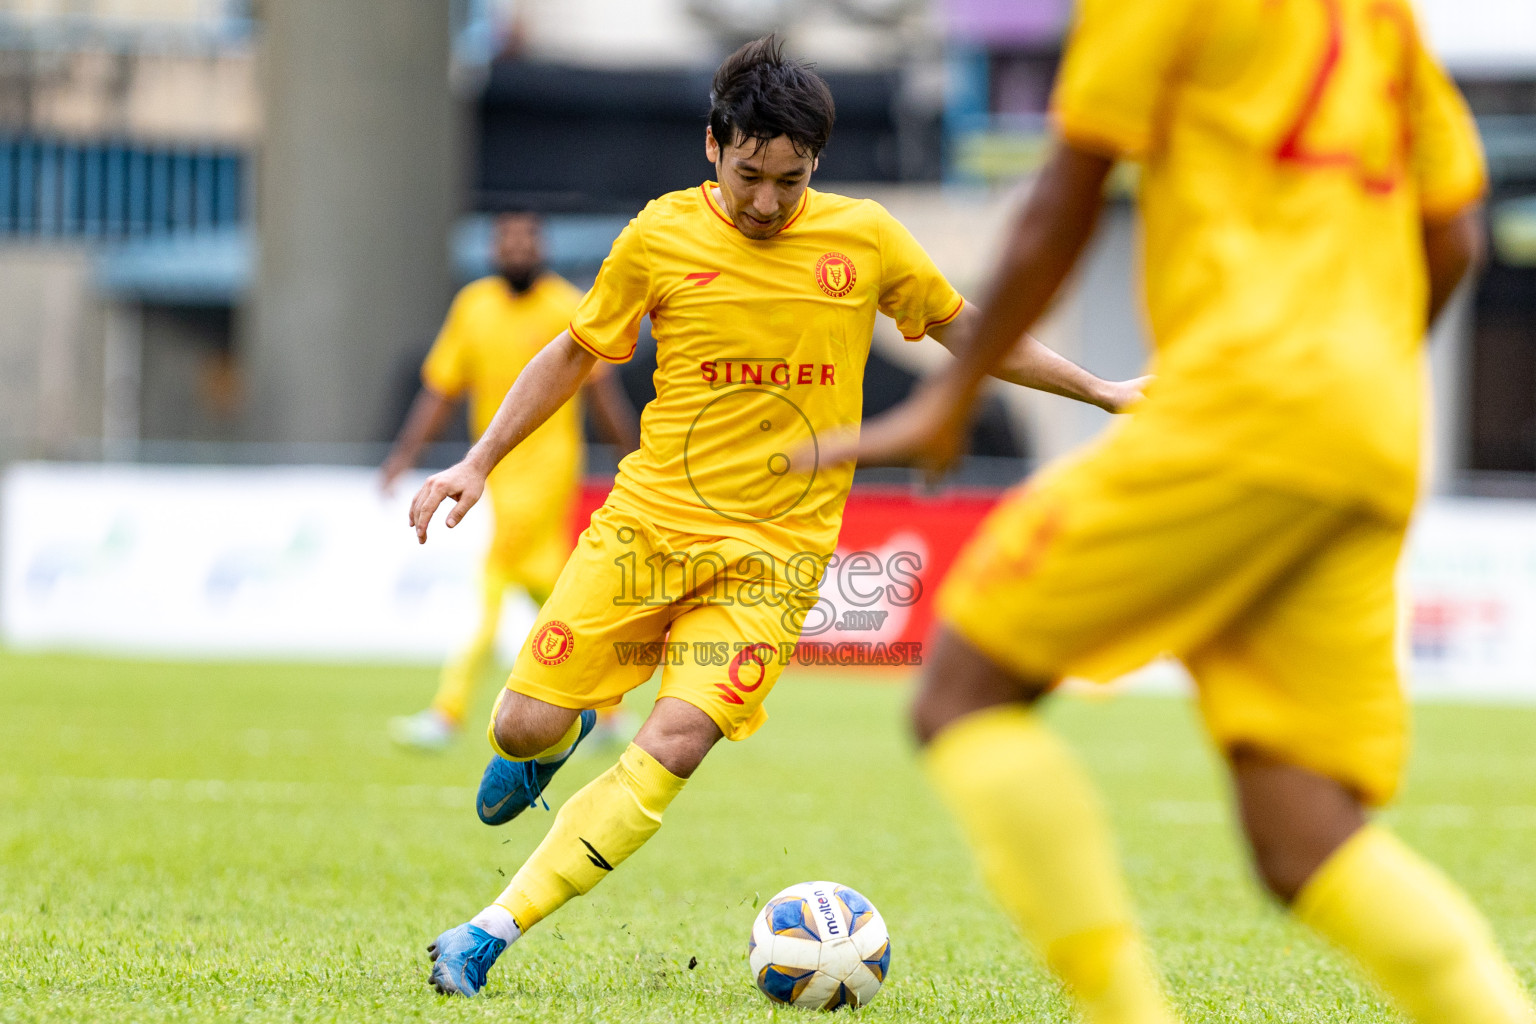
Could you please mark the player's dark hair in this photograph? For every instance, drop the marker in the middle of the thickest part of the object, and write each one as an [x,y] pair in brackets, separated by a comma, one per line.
[760,94]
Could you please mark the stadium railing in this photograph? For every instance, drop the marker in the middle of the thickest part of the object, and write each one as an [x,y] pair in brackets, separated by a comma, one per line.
[61,189]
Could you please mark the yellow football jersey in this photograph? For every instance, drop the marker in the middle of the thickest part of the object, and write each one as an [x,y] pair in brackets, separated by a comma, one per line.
[1289,150]
[490,334]
[760,349]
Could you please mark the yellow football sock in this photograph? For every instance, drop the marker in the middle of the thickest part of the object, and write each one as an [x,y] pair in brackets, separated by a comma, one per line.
[609,819]
[456,683]
[1044,846]
[1413,931]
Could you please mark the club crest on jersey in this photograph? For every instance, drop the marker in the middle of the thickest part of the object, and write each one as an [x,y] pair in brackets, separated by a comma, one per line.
[835,274]
[553,643]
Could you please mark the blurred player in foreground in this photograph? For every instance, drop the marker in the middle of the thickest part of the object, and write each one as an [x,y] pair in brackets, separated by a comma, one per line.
[495,326]
[762,295]
[1309,194]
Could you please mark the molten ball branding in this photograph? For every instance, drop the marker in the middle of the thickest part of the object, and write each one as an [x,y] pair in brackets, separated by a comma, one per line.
[831,926]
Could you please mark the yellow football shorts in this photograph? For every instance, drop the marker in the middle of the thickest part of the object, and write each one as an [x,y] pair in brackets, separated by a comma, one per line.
[1282,606]
[719,617]
[531,532]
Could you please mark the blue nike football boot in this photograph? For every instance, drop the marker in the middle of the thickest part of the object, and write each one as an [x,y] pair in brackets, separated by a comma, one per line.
[460,959]
[508,788]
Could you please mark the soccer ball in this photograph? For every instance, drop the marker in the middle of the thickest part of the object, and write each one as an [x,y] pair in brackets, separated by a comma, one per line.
[821,946]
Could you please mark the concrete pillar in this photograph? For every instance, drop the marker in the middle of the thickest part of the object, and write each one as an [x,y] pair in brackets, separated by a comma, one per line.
[122,406]
[356,184]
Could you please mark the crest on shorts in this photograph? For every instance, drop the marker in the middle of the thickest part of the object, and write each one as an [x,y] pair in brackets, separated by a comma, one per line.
[553,643]
[835,274]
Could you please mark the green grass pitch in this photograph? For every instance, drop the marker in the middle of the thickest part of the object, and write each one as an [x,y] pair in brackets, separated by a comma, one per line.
[224,843]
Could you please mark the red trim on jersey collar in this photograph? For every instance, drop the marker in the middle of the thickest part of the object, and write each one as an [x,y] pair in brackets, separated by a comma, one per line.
[709,201]
[805,201]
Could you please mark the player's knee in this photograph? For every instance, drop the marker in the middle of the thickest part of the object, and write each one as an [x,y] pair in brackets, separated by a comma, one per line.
[520,732]
[1279,870]
[1294,819]
[678,735]
[515,739]
[1284,867]
[959,680]
[941,700]
[929,714]
[1286,854]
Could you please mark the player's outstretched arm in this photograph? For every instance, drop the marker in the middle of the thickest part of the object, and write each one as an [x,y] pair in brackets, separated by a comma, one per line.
[1049,233]
[1032,364]
[429,414]
[1452,246]
[612,409]
[546,383]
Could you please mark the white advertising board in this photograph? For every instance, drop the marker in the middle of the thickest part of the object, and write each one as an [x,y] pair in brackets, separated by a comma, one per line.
[315,563]
[308,562]
[1471,576]
[1482,36]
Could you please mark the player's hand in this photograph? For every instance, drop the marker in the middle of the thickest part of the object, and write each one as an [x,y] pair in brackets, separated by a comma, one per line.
[1119,395]
[928,431]
[388,474]
[462,482]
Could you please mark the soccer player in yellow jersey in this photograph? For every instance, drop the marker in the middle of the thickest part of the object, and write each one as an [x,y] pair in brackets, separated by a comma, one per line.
[762,295]
[495,326]
[1309,197]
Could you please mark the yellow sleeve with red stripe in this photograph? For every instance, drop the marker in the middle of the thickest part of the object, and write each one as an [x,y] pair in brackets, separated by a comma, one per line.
[1114,74]
[1447,154]
[607,323]
[446,369]
[912,290]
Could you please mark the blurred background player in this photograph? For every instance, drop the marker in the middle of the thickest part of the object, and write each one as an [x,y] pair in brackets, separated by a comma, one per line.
[1310,196]
[494,327]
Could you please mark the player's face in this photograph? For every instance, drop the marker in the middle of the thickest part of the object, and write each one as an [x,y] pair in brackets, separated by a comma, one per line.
[761,183]
[518,244]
